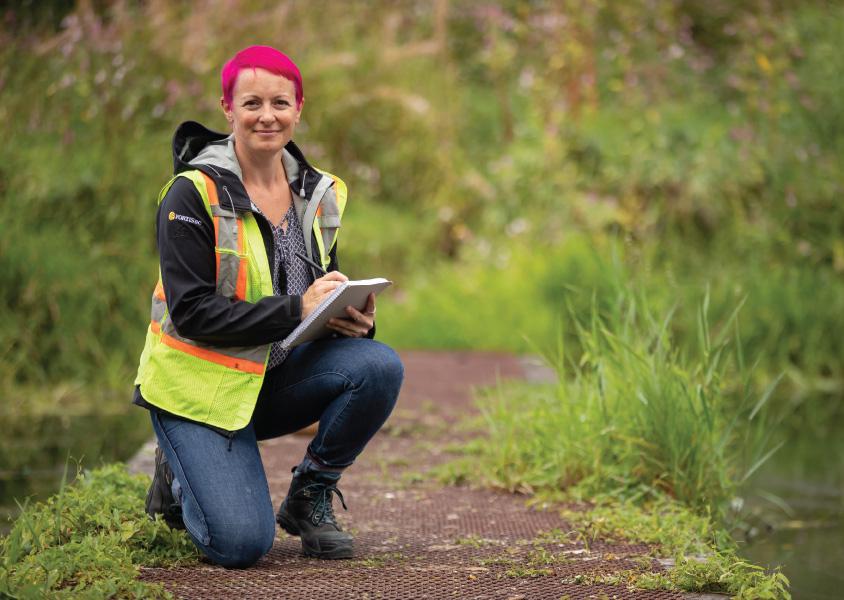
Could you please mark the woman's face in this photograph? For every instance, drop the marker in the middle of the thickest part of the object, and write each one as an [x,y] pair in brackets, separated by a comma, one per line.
[263,112]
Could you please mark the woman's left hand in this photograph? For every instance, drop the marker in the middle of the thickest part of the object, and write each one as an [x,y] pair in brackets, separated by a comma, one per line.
[358,322]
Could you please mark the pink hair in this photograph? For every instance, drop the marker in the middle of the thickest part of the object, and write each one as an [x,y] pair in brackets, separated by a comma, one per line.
[260,57]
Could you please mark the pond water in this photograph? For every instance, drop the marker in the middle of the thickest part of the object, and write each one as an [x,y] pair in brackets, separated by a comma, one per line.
[35,449]
[798,517]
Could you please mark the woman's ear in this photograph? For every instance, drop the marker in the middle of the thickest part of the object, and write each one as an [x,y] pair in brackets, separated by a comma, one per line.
[299,110]
[227,109]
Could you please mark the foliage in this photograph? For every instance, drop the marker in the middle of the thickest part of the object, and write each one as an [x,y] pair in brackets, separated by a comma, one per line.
[671,529]
[723,573]
[695,122]
[88,540]
[704,557]
[508,163]
[520,303]
[631,416]
[515,300]
[697,555]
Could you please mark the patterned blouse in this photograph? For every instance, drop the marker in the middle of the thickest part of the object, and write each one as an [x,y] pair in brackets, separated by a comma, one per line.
[297,274]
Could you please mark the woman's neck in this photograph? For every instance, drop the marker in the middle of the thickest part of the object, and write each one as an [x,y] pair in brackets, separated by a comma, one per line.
[263,169]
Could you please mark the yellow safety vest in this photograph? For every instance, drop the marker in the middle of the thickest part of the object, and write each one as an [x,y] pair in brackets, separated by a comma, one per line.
[219,385]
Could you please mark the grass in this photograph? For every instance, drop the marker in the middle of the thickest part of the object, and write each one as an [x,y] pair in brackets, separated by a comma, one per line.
[722,573]
[520,302]
[631,417]
[496,203]
[511,295]
[88,541]
[659,440]
[702,556]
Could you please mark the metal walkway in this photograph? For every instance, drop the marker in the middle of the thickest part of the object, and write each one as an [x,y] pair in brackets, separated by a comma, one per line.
[413,537]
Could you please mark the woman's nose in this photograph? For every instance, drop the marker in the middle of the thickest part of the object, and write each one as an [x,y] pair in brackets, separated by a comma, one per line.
[267,113]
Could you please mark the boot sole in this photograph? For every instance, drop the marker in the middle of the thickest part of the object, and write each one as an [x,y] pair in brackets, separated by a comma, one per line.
[337,552]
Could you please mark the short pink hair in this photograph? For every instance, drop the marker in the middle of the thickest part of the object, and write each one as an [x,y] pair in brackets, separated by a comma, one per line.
[260,57]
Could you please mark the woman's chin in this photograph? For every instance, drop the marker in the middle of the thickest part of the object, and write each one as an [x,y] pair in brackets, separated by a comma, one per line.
[268,146]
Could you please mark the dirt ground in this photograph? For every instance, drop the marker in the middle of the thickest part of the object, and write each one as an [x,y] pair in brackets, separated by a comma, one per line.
[415,538]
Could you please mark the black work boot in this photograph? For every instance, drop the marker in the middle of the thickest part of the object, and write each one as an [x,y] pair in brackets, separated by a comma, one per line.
[160,500]
[308,512]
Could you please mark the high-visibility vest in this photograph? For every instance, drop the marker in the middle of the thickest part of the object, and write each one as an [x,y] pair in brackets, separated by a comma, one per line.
[219,385]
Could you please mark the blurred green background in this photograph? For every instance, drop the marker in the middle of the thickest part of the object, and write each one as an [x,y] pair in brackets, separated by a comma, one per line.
[512,165]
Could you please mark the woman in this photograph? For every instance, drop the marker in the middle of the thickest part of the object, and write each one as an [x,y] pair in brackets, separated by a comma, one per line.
[231,286]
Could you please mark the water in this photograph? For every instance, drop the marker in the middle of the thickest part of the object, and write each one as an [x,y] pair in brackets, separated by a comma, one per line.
[805,534]
[35,449]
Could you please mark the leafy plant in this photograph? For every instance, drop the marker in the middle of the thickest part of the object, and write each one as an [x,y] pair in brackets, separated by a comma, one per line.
[88,540]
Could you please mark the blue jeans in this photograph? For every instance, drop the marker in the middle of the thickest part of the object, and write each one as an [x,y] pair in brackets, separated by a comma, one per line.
[349,385]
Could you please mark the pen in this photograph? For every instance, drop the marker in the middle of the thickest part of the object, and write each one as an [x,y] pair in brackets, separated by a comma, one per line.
[312,263]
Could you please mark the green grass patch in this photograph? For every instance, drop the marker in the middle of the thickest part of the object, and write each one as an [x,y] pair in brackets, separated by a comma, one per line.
[631,417]
[378,561]
[702,556]
[656,438]
[503,298]
[88,541]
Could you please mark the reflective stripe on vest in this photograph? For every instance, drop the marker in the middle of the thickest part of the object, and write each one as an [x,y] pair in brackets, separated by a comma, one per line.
[328,217]
[232,272]
[232,267]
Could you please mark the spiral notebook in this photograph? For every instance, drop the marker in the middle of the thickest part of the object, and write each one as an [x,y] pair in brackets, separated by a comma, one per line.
[352,293]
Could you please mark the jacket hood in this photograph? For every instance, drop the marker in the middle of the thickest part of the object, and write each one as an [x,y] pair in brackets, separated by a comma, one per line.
[197,147]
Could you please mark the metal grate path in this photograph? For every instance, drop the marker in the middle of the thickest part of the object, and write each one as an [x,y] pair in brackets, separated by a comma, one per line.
[414,538]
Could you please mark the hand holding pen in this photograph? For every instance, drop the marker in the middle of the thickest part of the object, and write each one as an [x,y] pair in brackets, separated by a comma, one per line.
[358,322]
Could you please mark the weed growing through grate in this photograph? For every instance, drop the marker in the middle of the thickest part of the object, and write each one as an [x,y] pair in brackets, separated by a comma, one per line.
[541,556]
[379,560]
[89,540]
[497,561]
[410,478]
[473,541]
[537,563]
[520,572]
[668,527]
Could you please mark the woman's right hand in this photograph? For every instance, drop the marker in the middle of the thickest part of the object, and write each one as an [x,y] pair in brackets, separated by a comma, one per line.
[319,290]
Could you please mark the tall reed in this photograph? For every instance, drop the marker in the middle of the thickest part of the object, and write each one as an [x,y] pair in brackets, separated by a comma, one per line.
[631,416]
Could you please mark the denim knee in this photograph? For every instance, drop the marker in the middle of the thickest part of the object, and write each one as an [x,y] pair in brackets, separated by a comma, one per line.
[387,367]
[241,548]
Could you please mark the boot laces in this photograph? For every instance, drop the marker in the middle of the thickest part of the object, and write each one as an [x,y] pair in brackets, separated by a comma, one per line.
[323,510]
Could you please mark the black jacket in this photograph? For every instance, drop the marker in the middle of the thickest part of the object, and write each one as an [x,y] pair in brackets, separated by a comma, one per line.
[186,250]
[187,259]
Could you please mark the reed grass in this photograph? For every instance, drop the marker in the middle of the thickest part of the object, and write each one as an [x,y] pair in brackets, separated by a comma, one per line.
[632,416]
